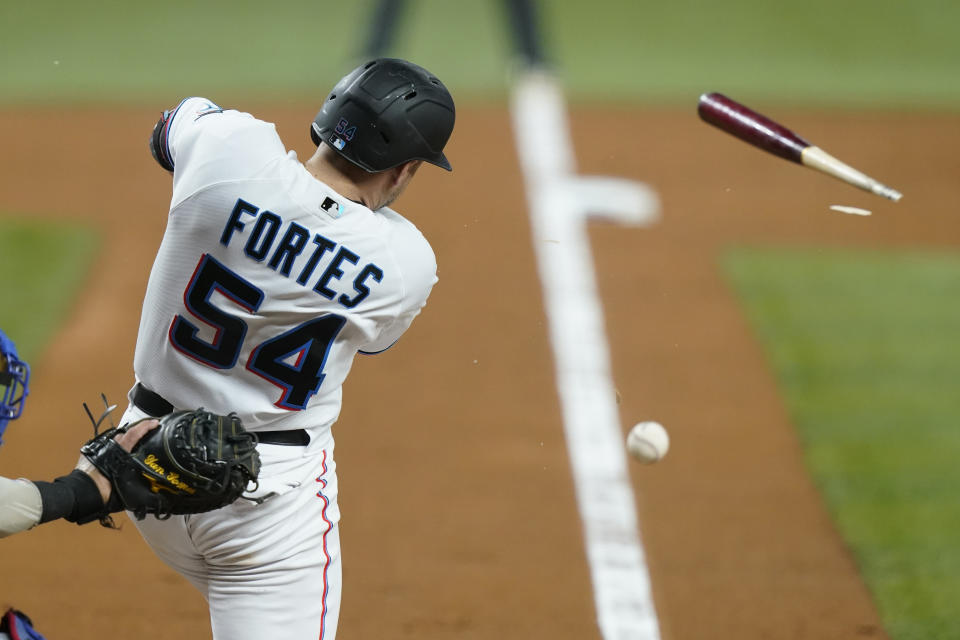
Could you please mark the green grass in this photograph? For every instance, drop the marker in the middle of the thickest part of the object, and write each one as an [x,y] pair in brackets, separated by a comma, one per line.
[821,52]
[865,347]
[818,52]
[43,267]
[94,50]
[113,50]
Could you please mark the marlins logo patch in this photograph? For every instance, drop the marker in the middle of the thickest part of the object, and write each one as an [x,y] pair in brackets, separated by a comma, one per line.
[210,108]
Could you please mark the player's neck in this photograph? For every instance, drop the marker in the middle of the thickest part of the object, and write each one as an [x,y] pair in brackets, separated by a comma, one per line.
[365,192]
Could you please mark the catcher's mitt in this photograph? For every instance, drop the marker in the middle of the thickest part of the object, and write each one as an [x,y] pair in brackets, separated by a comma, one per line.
[195,461]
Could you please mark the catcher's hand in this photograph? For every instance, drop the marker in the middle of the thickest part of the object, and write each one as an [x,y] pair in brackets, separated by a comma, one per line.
[195,461]
[127,438]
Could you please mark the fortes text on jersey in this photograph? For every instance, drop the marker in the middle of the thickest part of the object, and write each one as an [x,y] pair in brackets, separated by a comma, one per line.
[290,255]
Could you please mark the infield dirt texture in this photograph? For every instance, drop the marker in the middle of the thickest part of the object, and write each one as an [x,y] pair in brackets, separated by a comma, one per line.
[458,513]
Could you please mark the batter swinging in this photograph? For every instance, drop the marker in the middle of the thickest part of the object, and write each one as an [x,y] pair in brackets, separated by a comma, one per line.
[271,276]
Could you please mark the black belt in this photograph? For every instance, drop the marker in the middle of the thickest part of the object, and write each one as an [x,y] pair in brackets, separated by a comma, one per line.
[154,405]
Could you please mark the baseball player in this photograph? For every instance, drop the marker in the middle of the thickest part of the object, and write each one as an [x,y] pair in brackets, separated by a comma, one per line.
[25,503]
[271,275]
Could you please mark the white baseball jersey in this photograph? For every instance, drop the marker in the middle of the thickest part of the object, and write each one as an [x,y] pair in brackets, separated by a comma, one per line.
[268,282]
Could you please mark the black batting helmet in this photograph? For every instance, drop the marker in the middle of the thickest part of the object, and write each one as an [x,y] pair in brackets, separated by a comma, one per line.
[385,112]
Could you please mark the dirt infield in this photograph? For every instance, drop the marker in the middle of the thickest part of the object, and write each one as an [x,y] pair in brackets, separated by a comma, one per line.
[458,511]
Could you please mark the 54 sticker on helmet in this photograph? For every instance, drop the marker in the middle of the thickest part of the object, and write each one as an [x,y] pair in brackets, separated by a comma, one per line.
[345,129]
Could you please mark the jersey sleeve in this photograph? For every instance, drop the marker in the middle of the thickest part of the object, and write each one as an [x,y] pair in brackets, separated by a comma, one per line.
[20,506]
[204,143]
[419,268]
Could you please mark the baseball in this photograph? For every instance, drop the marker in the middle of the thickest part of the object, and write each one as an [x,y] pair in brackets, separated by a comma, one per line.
[648,442]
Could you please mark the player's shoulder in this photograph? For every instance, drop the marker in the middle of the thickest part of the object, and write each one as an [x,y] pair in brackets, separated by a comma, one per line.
[404,232]
[410,248]
[196,106]
[208,143]
[200,120]
[400,246]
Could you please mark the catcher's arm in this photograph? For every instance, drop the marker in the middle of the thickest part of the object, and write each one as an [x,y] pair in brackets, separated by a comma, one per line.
[80,496]
[20,506]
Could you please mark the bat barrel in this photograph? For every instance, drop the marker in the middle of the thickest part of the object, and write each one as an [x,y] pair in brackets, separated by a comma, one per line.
[748,125]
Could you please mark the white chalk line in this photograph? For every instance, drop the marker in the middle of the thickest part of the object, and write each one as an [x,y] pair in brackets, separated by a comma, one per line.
[560,205]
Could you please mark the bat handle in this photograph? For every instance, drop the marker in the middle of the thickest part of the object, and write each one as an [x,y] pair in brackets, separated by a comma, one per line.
[816,158]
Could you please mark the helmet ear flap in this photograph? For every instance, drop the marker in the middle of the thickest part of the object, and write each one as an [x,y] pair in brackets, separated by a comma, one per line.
[315,133]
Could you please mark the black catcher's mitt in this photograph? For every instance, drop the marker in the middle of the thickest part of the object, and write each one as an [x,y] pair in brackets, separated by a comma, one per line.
[195,461]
